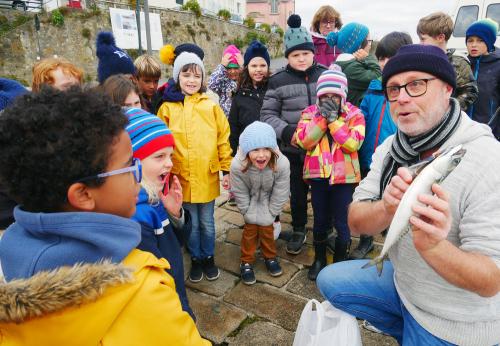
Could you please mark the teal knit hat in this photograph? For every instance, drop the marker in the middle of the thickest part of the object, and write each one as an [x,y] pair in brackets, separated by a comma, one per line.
[297,37]
[349,38]
[486,30]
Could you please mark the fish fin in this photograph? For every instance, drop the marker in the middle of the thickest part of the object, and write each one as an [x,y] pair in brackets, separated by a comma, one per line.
[378,262]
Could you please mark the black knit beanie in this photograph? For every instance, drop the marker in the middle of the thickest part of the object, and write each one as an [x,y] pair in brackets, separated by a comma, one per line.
[424,58]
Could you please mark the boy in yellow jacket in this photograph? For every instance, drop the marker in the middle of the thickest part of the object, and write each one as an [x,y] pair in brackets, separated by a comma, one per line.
[73,274]
[202,149]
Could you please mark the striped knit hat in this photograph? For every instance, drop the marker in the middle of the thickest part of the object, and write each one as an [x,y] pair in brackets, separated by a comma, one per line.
[332,81]
[147,132]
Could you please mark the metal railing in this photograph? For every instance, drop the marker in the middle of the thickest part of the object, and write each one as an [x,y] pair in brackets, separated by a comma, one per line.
[22,5]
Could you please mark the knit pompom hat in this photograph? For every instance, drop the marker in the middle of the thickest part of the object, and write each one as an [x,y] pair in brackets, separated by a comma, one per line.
[332,81]
[423,58]
[9,91]
[233,51]
[349,38]
[297,37]
[256,49]
[147,132]
[168,53]
[257,135]
[183,59]
[112,60]
[486,30]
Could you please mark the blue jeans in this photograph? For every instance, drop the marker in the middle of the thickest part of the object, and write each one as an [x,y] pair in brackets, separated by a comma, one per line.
[362,293]
[201,243]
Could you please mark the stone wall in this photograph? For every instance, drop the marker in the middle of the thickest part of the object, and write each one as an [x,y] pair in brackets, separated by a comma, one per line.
[75,40]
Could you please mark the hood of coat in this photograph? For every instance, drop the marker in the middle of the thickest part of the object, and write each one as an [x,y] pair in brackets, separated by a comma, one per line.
[51,291]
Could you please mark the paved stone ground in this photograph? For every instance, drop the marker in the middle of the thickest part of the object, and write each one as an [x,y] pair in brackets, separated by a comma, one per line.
[266,313]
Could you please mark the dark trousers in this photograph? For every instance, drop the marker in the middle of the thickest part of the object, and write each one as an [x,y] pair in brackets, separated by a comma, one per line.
[298,191]
[331,201]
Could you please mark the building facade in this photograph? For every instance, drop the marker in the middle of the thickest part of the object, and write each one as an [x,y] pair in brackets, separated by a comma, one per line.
[272,12]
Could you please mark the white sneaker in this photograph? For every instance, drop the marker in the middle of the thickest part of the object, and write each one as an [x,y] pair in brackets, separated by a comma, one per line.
[276,229]
[368,326]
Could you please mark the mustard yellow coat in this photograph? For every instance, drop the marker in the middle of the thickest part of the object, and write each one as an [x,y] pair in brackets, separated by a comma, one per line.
[68,307]
[201,133]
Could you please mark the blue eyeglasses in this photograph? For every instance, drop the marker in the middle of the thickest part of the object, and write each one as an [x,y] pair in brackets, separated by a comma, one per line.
[135,168]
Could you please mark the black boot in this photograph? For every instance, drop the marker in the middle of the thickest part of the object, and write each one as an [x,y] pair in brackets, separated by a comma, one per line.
[330,242]
[320,242]
[341,250]
[364,247]
[294,245]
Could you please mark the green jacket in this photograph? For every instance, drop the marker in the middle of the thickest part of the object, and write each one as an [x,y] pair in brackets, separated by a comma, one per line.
[466,91]
[359,75]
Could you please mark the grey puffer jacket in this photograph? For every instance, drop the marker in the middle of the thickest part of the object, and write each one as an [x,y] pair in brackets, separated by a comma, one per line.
[260,194]
[289,92]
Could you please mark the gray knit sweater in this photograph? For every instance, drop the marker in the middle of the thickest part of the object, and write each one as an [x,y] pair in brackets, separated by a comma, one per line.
[447,311]
[260,194]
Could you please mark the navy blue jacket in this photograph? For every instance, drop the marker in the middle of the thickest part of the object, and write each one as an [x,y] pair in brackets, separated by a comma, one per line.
[163,240]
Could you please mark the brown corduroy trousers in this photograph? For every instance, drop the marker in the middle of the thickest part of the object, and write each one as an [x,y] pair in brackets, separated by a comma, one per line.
[250,239]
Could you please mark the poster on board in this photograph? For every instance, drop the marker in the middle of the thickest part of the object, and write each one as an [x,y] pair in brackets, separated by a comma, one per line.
[124,25]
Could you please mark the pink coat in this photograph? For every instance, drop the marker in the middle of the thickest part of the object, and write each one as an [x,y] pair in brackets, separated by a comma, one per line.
[325,55]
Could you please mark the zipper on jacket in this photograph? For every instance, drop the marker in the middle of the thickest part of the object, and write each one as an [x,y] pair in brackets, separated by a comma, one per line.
[309,98]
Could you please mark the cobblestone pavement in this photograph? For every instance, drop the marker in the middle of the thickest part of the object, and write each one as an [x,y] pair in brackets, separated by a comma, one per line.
[266,313]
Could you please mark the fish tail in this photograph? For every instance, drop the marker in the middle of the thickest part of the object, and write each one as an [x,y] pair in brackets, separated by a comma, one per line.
[378,262]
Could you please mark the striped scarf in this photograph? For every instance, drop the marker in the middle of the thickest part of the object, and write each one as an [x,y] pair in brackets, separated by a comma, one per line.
[406,150]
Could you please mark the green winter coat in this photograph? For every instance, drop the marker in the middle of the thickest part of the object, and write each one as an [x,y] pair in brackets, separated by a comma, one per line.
[359,75]
[466,91]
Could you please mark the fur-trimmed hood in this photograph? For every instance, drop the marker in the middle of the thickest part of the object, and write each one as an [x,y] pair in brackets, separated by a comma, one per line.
[131,303]
[51,291]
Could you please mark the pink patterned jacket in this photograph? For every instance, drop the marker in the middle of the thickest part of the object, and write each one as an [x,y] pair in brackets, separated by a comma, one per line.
[339,161]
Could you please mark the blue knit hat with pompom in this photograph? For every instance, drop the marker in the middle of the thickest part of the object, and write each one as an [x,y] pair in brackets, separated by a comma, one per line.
[349,38]
[112,60]
[297,37]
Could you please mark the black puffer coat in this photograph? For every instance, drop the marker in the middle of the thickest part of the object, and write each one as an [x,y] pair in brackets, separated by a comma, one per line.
[245,109]
[289,92]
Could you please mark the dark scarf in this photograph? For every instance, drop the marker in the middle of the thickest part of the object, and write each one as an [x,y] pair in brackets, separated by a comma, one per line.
[406,150]
[171,93]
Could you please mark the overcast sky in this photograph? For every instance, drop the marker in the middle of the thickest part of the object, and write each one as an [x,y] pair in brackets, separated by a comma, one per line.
[381,16]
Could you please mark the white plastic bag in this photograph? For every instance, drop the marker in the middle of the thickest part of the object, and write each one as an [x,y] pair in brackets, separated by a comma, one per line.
[326,325]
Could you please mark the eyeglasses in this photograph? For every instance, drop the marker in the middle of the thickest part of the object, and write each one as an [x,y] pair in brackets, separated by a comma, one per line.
[415,88]
[328,22]
[135,168]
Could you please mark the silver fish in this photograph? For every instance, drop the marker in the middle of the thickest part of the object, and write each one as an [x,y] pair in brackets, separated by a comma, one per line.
[432,171]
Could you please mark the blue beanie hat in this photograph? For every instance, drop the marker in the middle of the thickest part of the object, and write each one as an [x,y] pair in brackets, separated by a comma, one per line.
[297,37]
[257,135]
[349,38]
[112,60]
[486,30]
[147,132]
[256,49]
[9,90]
[419,57]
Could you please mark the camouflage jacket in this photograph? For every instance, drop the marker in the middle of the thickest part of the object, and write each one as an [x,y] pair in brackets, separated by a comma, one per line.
[466,92]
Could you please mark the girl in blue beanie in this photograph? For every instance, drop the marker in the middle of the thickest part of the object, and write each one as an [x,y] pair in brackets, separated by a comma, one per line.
[260,180]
